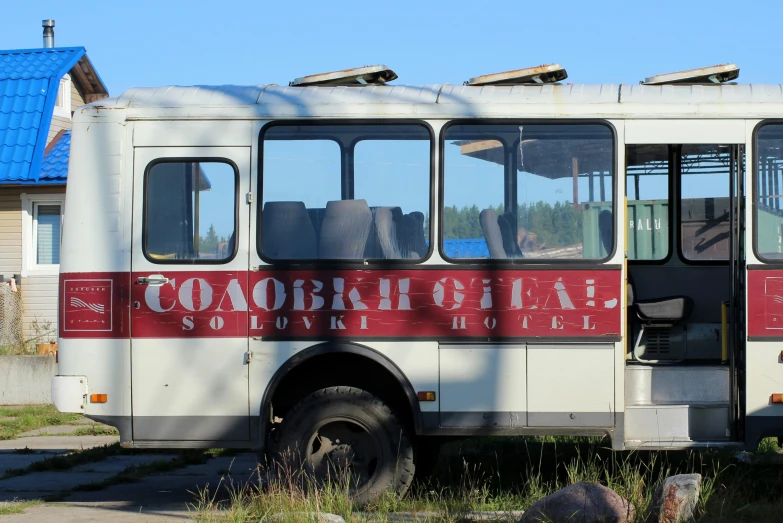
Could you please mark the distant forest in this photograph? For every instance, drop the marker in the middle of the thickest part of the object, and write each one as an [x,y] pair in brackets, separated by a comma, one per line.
[555,225]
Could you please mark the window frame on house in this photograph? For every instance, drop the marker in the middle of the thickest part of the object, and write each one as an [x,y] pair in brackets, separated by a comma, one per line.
[63,109]
[30,204]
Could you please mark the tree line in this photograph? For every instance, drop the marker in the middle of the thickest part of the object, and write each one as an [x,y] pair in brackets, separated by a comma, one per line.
[555,225]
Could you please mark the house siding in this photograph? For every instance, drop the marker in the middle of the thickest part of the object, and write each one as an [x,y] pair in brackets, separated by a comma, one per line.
[10,232]
[39,293]
[58,123]
[39,302]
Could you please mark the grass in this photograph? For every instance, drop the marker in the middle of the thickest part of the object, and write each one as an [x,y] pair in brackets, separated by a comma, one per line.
[9,508]
[32,417]
[506,474]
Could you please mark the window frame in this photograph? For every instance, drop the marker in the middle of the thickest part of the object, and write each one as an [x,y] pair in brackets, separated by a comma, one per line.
[30,203]
[754,191]
[529,262]
[345,123]
[671,193]
[144,224]
[676,184]
[64,111]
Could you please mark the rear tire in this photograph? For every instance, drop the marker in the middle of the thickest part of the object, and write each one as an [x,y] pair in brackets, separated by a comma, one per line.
[348,429]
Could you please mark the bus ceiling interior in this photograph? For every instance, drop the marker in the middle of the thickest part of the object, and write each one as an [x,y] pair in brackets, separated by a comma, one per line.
[680,362]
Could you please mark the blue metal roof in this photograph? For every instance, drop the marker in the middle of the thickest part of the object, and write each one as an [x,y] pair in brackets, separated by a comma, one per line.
[466,248]
[29,80]
[54,168]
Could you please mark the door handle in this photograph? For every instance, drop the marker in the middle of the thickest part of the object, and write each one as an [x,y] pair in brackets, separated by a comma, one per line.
[154,280]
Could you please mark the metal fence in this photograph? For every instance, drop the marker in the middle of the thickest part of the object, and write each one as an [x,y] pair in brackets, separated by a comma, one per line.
[11,331]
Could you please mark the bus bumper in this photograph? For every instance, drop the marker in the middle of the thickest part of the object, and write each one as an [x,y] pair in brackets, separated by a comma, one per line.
[69,393]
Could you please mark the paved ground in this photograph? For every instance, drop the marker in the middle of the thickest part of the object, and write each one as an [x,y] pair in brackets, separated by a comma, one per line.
[164,496]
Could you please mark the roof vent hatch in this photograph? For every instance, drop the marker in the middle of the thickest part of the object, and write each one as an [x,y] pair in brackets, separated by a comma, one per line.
[717,74]
[542,74]
[358,76]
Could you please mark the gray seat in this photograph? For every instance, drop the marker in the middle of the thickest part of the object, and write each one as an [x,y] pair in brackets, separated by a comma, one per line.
[317,217]
[287,232]
[344,231]
[383,243]
[508,233]
[410,235]
[492,233]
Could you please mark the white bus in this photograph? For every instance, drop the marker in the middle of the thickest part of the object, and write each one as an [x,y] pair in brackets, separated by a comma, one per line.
[355,271]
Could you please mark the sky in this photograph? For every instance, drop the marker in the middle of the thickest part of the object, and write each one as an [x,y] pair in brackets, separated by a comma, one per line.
[146,43]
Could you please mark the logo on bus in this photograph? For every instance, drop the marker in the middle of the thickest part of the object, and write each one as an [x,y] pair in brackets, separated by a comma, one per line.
[87,305]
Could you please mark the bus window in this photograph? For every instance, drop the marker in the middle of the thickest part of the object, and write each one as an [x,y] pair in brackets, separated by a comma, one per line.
[704,202]
[345,192]
[768,192]
[190,212]
[518,191]
[647,189]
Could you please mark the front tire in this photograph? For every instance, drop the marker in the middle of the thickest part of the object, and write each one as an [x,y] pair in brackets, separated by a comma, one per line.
[351,430]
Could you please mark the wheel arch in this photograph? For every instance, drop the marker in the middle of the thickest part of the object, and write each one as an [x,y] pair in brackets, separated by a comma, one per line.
[338,348]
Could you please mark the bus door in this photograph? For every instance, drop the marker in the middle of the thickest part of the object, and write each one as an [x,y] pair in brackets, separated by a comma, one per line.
[189,294]
[686,281]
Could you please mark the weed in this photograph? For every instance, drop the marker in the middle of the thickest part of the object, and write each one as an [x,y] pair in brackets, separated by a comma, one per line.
[8,508]
[32,417]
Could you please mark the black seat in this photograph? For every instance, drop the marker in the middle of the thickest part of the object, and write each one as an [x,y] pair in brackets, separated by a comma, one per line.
[667,310]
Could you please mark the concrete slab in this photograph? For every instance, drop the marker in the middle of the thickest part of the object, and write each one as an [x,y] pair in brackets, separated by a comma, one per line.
[100,513]
[117,464]
[180,486]
[54,429]
[58,443]
[14,460]
[51,481]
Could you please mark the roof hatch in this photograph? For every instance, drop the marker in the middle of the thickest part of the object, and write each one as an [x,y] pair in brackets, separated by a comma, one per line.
[542,74]
[717,74]
[358,76]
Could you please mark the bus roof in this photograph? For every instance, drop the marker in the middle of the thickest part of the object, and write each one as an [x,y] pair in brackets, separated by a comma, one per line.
[449,101]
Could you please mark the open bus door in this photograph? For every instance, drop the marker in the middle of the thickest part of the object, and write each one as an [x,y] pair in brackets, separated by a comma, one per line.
[686,265]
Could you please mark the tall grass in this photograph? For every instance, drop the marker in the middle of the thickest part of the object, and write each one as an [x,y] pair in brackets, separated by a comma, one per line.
[508,474]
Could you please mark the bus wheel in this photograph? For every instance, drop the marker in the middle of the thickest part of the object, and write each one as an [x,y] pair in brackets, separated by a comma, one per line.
[348,433]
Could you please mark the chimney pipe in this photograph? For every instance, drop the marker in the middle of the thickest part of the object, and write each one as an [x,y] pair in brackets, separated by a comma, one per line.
[48,33]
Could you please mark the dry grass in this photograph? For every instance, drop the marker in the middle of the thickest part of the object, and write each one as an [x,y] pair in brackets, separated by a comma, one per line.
[506,474]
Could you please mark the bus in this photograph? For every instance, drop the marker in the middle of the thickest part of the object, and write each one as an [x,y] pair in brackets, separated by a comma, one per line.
[353,271]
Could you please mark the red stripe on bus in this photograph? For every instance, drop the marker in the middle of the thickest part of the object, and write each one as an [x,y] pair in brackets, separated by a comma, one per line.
[344,303]
[765,303]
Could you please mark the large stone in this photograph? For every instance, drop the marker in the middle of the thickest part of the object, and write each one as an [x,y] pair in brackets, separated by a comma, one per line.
[675,499]
[581,503]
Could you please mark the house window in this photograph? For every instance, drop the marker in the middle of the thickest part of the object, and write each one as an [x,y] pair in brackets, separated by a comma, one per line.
[62,107]
[42,224]
[47,224]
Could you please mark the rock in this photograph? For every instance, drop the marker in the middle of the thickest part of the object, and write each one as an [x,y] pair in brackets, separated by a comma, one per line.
[675,500]
[581,503]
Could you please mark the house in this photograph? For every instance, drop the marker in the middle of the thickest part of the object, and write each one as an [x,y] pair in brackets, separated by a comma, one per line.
[39,91]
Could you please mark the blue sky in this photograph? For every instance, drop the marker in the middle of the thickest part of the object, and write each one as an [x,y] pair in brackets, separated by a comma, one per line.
[144,43]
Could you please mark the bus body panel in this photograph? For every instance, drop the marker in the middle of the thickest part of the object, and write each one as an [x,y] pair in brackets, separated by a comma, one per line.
[209,386]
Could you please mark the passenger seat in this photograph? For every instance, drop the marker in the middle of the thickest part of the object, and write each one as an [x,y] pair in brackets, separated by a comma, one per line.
[287,232]
[492,233]
[344,231]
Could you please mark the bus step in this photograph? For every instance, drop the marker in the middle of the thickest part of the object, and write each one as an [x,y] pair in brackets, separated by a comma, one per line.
[671,385]
[677,423]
